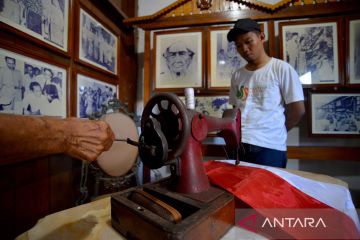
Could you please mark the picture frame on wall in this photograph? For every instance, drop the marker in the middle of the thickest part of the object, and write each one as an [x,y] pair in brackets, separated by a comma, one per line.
[334,113]
[31,87]
[178,59]
[92,94]
[213,106]
[224,58]
[98,46]
[313,48]
[46,21]
[353,50]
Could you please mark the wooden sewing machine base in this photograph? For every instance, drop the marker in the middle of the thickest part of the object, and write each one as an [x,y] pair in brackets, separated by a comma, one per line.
[206,215]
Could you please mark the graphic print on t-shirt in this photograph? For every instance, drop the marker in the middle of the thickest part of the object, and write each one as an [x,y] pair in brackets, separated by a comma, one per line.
[243,92]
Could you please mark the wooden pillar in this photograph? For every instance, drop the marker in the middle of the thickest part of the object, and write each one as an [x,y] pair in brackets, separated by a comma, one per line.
[147,66]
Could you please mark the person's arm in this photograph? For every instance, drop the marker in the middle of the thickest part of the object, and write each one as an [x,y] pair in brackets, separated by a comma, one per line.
[26,137]
[294,112]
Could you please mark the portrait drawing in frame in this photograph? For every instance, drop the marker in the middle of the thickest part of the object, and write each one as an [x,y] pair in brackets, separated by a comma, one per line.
[312,48]
[43,20]
[354,51]
[98,46]
[178,59]
[31,87]
[335,113]
[92,96]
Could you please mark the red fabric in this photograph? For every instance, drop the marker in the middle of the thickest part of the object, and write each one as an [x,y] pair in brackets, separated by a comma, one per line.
[262,189]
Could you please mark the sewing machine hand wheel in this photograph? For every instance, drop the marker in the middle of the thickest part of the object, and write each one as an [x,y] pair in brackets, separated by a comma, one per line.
[171,113]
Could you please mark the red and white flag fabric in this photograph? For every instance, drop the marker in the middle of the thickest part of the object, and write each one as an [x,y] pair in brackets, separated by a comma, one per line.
[296,206]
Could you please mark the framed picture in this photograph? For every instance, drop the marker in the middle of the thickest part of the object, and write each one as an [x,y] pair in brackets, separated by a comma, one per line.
[224,58]
[31,87]
[313,49]
[98,46]
[43,20]
[353,50]
[335,114]
[178,59]
[213,106]
[92,94]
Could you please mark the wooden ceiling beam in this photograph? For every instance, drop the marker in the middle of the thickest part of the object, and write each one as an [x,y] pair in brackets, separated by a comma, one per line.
[296,11]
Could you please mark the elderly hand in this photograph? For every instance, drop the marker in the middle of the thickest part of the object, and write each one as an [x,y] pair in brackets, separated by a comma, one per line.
[87,139]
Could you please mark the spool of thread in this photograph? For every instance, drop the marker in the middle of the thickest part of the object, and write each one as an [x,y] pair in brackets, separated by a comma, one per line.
[189,98]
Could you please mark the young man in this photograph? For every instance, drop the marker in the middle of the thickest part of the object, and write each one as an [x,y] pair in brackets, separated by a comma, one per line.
[269,94]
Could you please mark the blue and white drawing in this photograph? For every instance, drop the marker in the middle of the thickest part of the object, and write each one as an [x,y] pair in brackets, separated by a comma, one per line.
[312,50]
[92,96]
[98,45]
[336,113]
[213,106]
[225,59]
[354,51]
[31,87]
[44,19]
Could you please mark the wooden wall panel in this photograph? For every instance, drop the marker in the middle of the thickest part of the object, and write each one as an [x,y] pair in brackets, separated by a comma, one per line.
[7,202]
[303,153]
[32,192]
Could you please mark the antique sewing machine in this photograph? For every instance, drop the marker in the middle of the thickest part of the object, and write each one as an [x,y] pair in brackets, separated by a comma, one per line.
[184,205]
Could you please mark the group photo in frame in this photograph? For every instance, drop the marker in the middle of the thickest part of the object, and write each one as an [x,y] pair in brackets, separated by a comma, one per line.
[31,87]
[93,95]
[178,59]
[335,113]
[98,46]
[312,48]
[223,57]
[353,26]
[43,20]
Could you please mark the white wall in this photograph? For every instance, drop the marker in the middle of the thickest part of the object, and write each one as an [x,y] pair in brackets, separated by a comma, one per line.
[148,7]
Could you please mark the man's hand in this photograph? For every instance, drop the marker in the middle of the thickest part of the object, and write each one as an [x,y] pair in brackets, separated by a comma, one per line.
[28,137]
[87,139]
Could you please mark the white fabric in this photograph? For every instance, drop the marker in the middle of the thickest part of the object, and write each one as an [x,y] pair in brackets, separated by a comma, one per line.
[333,195]
[261,96]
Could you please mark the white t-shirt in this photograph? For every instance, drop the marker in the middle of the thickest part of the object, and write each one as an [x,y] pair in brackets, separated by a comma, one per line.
[261,96]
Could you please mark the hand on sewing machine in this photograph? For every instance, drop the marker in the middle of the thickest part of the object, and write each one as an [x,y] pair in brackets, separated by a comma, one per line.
[27,137]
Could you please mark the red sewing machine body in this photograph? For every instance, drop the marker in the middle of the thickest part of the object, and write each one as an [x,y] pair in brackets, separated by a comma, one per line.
[193,178]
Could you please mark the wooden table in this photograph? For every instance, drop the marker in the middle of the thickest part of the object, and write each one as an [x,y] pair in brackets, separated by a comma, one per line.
[93,220]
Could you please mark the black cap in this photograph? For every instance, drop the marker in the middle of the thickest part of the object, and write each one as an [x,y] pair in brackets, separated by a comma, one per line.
[242,26]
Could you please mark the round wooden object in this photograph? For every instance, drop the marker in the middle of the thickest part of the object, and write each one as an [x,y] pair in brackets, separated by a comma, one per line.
[119,159]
